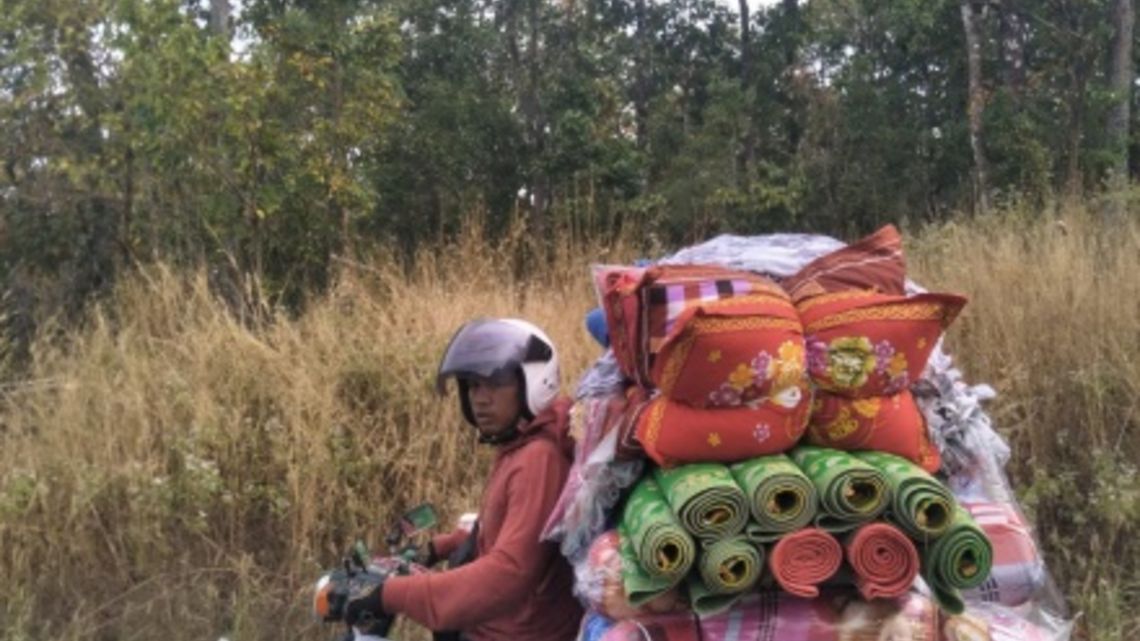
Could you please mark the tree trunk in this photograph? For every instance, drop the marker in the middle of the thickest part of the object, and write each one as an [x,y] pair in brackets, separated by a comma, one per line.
[976,103]
[1077,90]
[1012,39]
[745,159]
[97,260]
[641,77]
[1120,78]
[532,111]
[220,18]
[791,66]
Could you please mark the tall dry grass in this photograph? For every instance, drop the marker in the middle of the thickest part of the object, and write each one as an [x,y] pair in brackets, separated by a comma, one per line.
[170,472]
[1054,325]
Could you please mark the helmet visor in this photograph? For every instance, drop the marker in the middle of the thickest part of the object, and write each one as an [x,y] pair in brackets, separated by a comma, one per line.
[491,349]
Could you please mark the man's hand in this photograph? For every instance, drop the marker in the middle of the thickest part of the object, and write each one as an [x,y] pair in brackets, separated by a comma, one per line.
[365,610]
[426,555]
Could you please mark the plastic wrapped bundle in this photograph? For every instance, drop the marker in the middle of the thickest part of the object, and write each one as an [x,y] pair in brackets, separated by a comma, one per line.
[598,582]
[770,616]
[973,455]
[991,622]
[836,616]
[664,627]
[1018,574]
[595,626]
[775,617]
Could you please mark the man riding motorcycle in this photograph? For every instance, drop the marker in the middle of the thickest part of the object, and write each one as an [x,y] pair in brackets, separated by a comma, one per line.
[515,587]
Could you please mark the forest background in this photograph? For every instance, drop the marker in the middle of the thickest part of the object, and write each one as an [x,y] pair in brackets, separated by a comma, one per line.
[233,239]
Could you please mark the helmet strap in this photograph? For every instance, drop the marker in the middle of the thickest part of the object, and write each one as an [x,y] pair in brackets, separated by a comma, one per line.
[501,438]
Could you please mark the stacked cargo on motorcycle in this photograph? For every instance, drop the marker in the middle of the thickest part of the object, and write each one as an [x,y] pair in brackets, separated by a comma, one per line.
[704,351]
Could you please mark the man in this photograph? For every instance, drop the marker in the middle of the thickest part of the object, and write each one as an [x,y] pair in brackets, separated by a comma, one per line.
[515,587]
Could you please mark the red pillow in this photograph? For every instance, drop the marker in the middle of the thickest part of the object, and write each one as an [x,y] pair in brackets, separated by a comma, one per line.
[674,433]
[890,424]
[732,353]
[865,344]
[643,305]
[874,263]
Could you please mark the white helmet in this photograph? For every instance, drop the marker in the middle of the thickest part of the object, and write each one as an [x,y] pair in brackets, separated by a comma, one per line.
[501,347]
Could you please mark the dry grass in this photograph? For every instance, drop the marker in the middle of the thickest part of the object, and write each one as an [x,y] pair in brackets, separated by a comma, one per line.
[168,472]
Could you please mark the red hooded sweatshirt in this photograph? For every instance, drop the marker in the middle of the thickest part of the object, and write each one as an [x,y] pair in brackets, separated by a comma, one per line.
[517,587]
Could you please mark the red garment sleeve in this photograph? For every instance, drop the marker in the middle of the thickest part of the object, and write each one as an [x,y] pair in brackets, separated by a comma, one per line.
[501,579]
[444,544]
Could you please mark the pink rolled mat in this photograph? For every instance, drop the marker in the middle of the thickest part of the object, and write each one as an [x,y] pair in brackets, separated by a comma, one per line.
[885,560]
[802,560]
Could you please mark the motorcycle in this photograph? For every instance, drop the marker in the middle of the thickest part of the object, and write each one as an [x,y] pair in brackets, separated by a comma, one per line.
[360,573]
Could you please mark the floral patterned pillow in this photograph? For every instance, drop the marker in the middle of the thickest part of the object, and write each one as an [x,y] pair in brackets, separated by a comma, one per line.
[643,306]
[891,424]
[675,433]
[866,344]
[739,352]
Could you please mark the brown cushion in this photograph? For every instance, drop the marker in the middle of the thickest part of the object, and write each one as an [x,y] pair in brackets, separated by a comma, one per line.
[874,263]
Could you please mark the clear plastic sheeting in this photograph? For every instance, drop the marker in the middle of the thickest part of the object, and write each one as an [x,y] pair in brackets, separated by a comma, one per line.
[598,583]
[602,379]
[774,255]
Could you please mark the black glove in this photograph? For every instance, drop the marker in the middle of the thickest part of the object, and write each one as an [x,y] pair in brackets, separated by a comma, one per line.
[365,609]
[426,555]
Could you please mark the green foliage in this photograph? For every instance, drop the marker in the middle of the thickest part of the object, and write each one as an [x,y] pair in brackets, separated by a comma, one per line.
[130,131]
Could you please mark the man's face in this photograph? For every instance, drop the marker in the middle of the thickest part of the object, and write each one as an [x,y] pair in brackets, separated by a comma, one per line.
[494,402]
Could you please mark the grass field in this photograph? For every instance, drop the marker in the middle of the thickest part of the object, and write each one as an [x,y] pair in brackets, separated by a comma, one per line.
[170,471]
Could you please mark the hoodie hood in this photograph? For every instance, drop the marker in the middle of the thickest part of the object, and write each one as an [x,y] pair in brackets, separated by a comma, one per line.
[552,423]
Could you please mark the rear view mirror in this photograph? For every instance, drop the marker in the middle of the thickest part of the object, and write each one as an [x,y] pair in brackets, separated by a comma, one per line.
[419,519]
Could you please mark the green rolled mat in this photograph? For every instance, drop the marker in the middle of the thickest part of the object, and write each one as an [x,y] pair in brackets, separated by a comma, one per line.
[705,498]
[920,504]
[959,560]
[727,570]
[730,565]
[781,497]
[851,492]
[656,551]
[705,603]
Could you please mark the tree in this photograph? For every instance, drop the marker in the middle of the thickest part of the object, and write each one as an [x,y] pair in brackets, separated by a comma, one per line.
[220,18]
[1011,40]
[972,13]
[1120,80]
